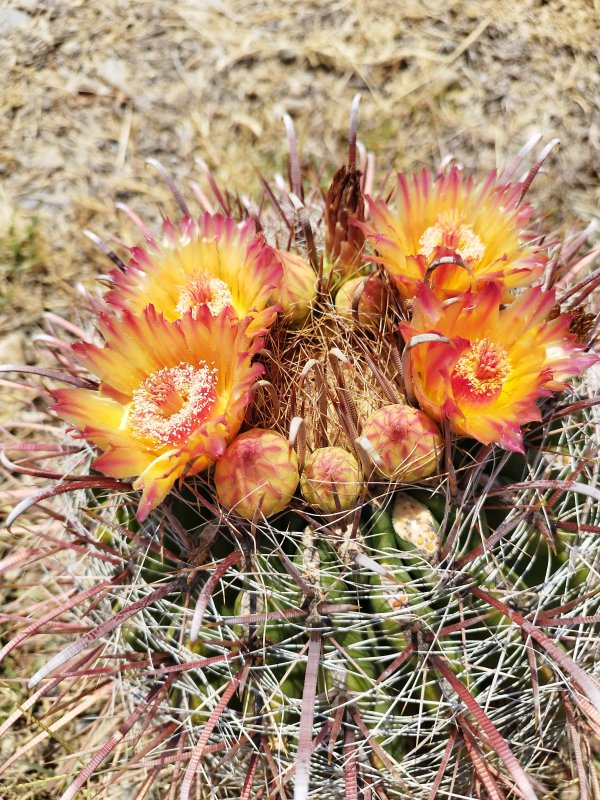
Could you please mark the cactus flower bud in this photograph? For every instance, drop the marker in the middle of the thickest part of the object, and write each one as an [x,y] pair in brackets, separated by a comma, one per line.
[331,472]
[258,465]
[344,202]
[369,303]
[405,443]
[298,286]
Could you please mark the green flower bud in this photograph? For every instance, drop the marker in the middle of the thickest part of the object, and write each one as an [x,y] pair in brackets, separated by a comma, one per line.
[370,303]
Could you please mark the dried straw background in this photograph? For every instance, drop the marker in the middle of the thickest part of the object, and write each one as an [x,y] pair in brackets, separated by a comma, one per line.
[90,89]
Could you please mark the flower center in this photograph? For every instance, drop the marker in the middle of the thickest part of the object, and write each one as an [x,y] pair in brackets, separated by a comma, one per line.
[450,233]
[172,403]
[204,290]
[480,372]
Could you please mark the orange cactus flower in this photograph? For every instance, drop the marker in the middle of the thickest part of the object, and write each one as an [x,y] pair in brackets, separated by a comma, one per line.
[211,262]
[171,395]
[483,226]
[497,363]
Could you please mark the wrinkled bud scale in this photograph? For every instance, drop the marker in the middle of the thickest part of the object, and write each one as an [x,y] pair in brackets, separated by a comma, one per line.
[413,522]
[344,203]
[331,479]
[405,442]
[258,468]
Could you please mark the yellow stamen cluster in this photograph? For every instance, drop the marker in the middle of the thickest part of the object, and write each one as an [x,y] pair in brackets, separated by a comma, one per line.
[204,290]
[452,234]
[483,367]
[171,403]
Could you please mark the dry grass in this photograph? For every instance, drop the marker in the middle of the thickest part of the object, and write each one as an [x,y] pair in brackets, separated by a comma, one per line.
[94,89]
[90,90]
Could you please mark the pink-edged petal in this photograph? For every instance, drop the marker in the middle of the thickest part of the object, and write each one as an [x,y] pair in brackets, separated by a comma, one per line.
[113,368]
[156,481]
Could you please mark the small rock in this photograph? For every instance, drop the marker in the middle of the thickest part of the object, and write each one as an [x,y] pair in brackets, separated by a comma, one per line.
[114,71]
[12,20]
[8,57]
[47,157]
[12,348]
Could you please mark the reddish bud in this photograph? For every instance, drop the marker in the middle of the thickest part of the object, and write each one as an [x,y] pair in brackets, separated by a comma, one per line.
[404,443]
[330,474]
[258,467]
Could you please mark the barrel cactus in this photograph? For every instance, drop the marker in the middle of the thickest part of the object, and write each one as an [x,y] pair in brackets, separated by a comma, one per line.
[303,546]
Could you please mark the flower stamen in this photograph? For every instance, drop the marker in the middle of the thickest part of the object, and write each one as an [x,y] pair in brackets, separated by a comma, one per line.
[450,233]
[480,372]
[204,290]
[170,404]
